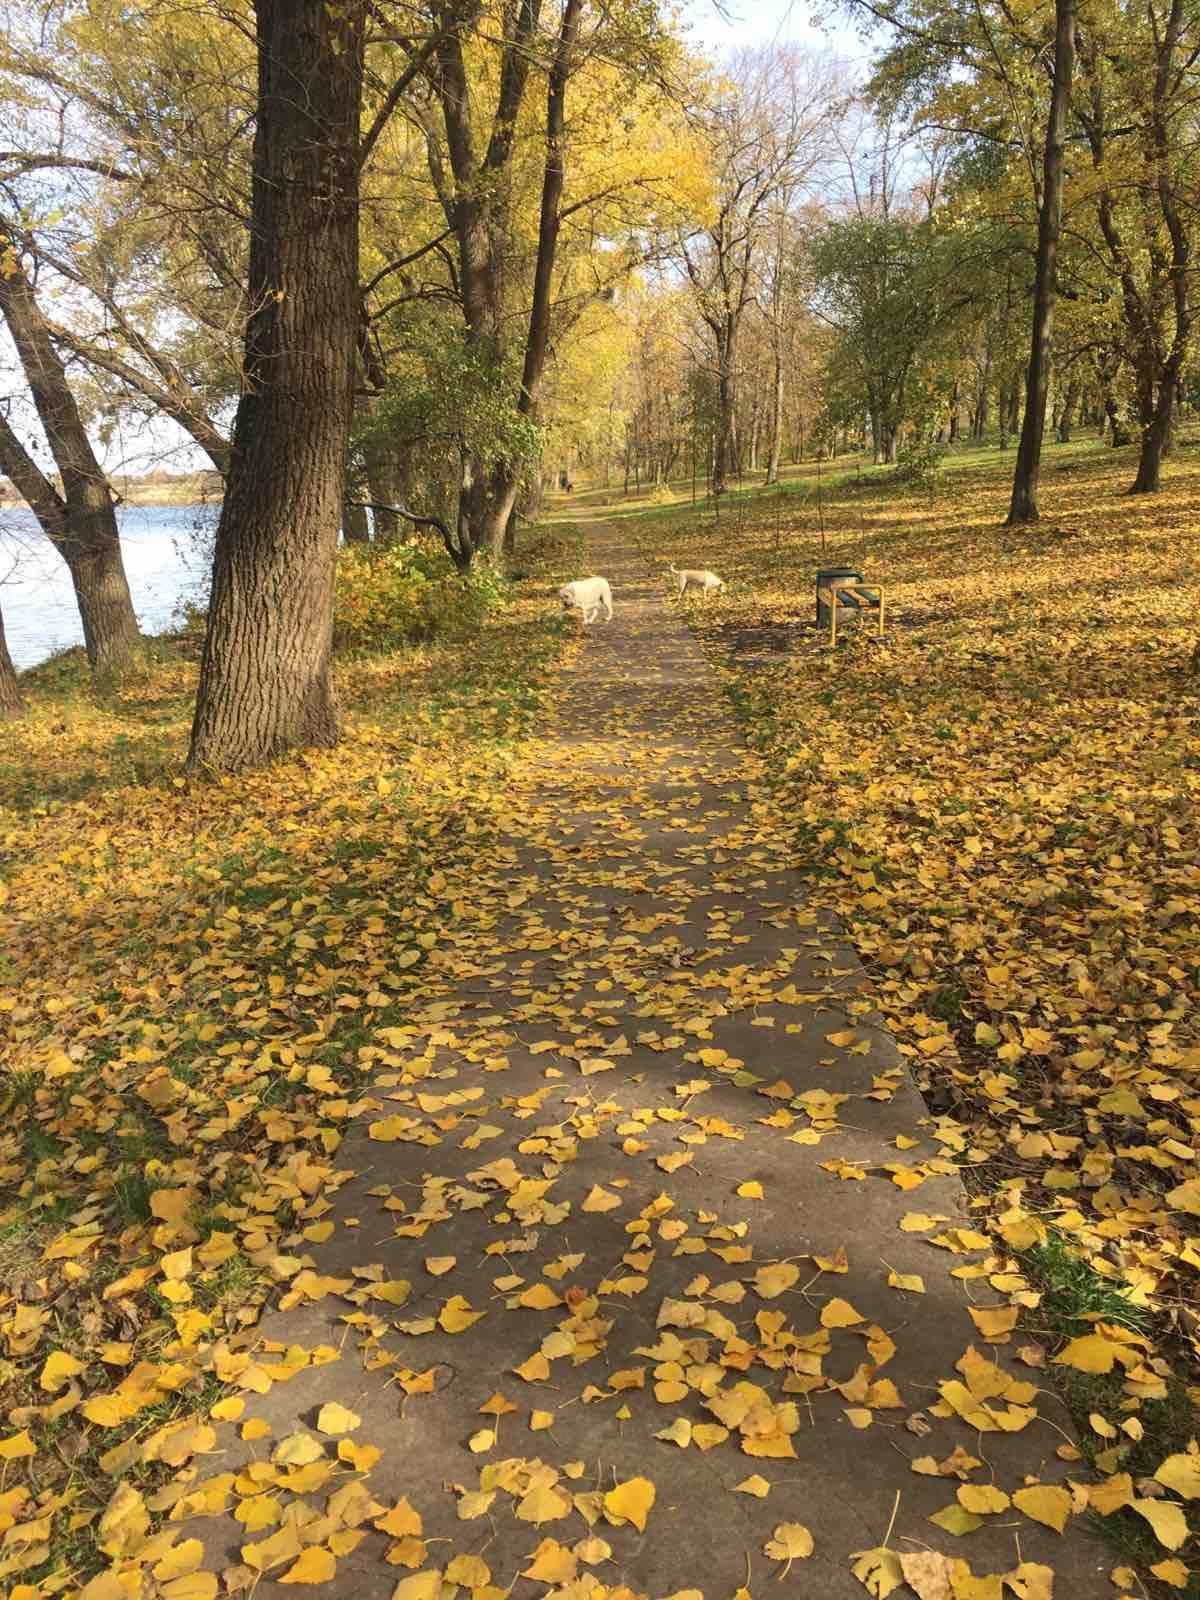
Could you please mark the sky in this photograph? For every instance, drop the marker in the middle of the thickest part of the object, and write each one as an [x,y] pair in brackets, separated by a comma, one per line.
[757,22]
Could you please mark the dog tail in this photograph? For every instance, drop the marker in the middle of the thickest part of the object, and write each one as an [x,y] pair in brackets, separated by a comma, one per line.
[672,570]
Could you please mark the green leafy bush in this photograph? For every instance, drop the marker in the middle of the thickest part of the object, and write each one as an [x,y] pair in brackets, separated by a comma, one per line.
[397,594]
[920,463]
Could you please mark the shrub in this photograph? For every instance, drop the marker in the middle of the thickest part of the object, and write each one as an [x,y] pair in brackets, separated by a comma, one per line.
[920,463]
[397,594]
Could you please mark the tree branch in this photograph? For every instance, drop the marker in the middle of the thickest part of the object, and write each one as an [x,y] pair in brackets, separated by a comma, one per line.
[393,97]
[42,163]
[452,549]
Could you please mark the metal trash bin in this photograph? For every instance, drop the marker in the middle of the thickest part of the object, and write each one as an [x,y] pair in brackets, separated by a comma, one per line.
[826,576]
[842,592]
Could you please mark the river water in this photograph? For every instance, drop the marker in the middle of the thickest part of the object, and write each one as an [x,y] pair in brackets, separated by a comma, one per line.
[166,551]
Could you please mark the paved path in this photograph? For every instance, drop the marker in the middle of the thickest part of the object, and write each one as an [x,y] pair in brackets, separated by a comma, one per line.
[645,1031]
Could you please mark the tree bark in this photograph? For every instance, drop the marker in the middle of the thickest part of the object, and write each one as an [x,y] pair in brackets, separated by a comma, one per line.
[383,484]
[355,527]
[979,425]
[12,701]
[1066,420]
[498,531]
[1023,507]
[80,521]
[1156,441]
[1145,291]
[1013,412]
[1119,433]
[1109,365]
[1156,432]
[725,447]
[779,397]
[266,681]
[475,205]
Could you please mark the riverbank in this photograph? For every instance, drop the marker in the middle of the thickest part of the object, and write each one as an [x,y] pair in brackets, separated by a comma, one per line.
[191,489]
[167,553]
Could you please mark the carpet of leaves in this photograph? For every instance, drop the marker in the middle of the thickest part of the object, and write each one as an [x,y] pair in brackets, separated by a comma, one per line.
[1000,800]
[191,979]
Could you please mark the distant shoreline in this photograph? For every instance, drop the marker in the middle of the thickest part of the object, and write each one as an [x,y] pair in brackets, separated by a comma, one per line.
[147,499]
[179,490]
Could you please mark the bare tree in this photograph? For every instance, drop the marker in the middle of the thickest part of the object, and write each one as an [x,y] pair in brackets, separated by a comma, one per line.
[769,132]
[784,307]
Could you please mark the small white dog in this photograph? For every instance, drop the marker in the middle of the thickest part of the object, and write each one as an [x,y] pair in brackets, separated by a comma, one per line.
[692,578]
[588,596]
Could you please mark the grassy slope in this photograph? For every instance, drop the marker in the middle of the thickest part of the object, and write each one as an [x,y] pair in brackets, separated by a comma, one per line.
[1001,801]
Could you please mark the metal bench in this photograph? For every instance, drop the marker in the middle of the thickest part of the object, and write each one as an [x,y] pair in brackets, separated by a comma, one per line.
[841,594]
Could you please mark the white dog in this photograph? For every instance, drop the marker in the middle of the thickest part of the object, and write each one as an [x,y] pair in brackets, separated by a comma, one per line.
[588,596]
[692,578]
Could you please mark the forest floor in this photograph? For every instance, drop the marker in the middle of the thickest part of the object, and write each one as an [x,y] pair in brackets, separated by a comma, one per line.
[364,1117]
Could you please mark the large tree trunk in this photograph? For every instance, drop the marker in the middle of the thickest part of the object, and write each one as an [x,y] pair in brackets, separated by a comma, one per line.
[980,420]
[81,521]
[878,452]
[110,631]
[1156,434]
[1119,433]
[1156,438]
[1012,412]
[777,409]
[266,676]
[355,526]
[506,479]
[1023,507]
[1066,420]
[383,483]
[725,446]
[12,702]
